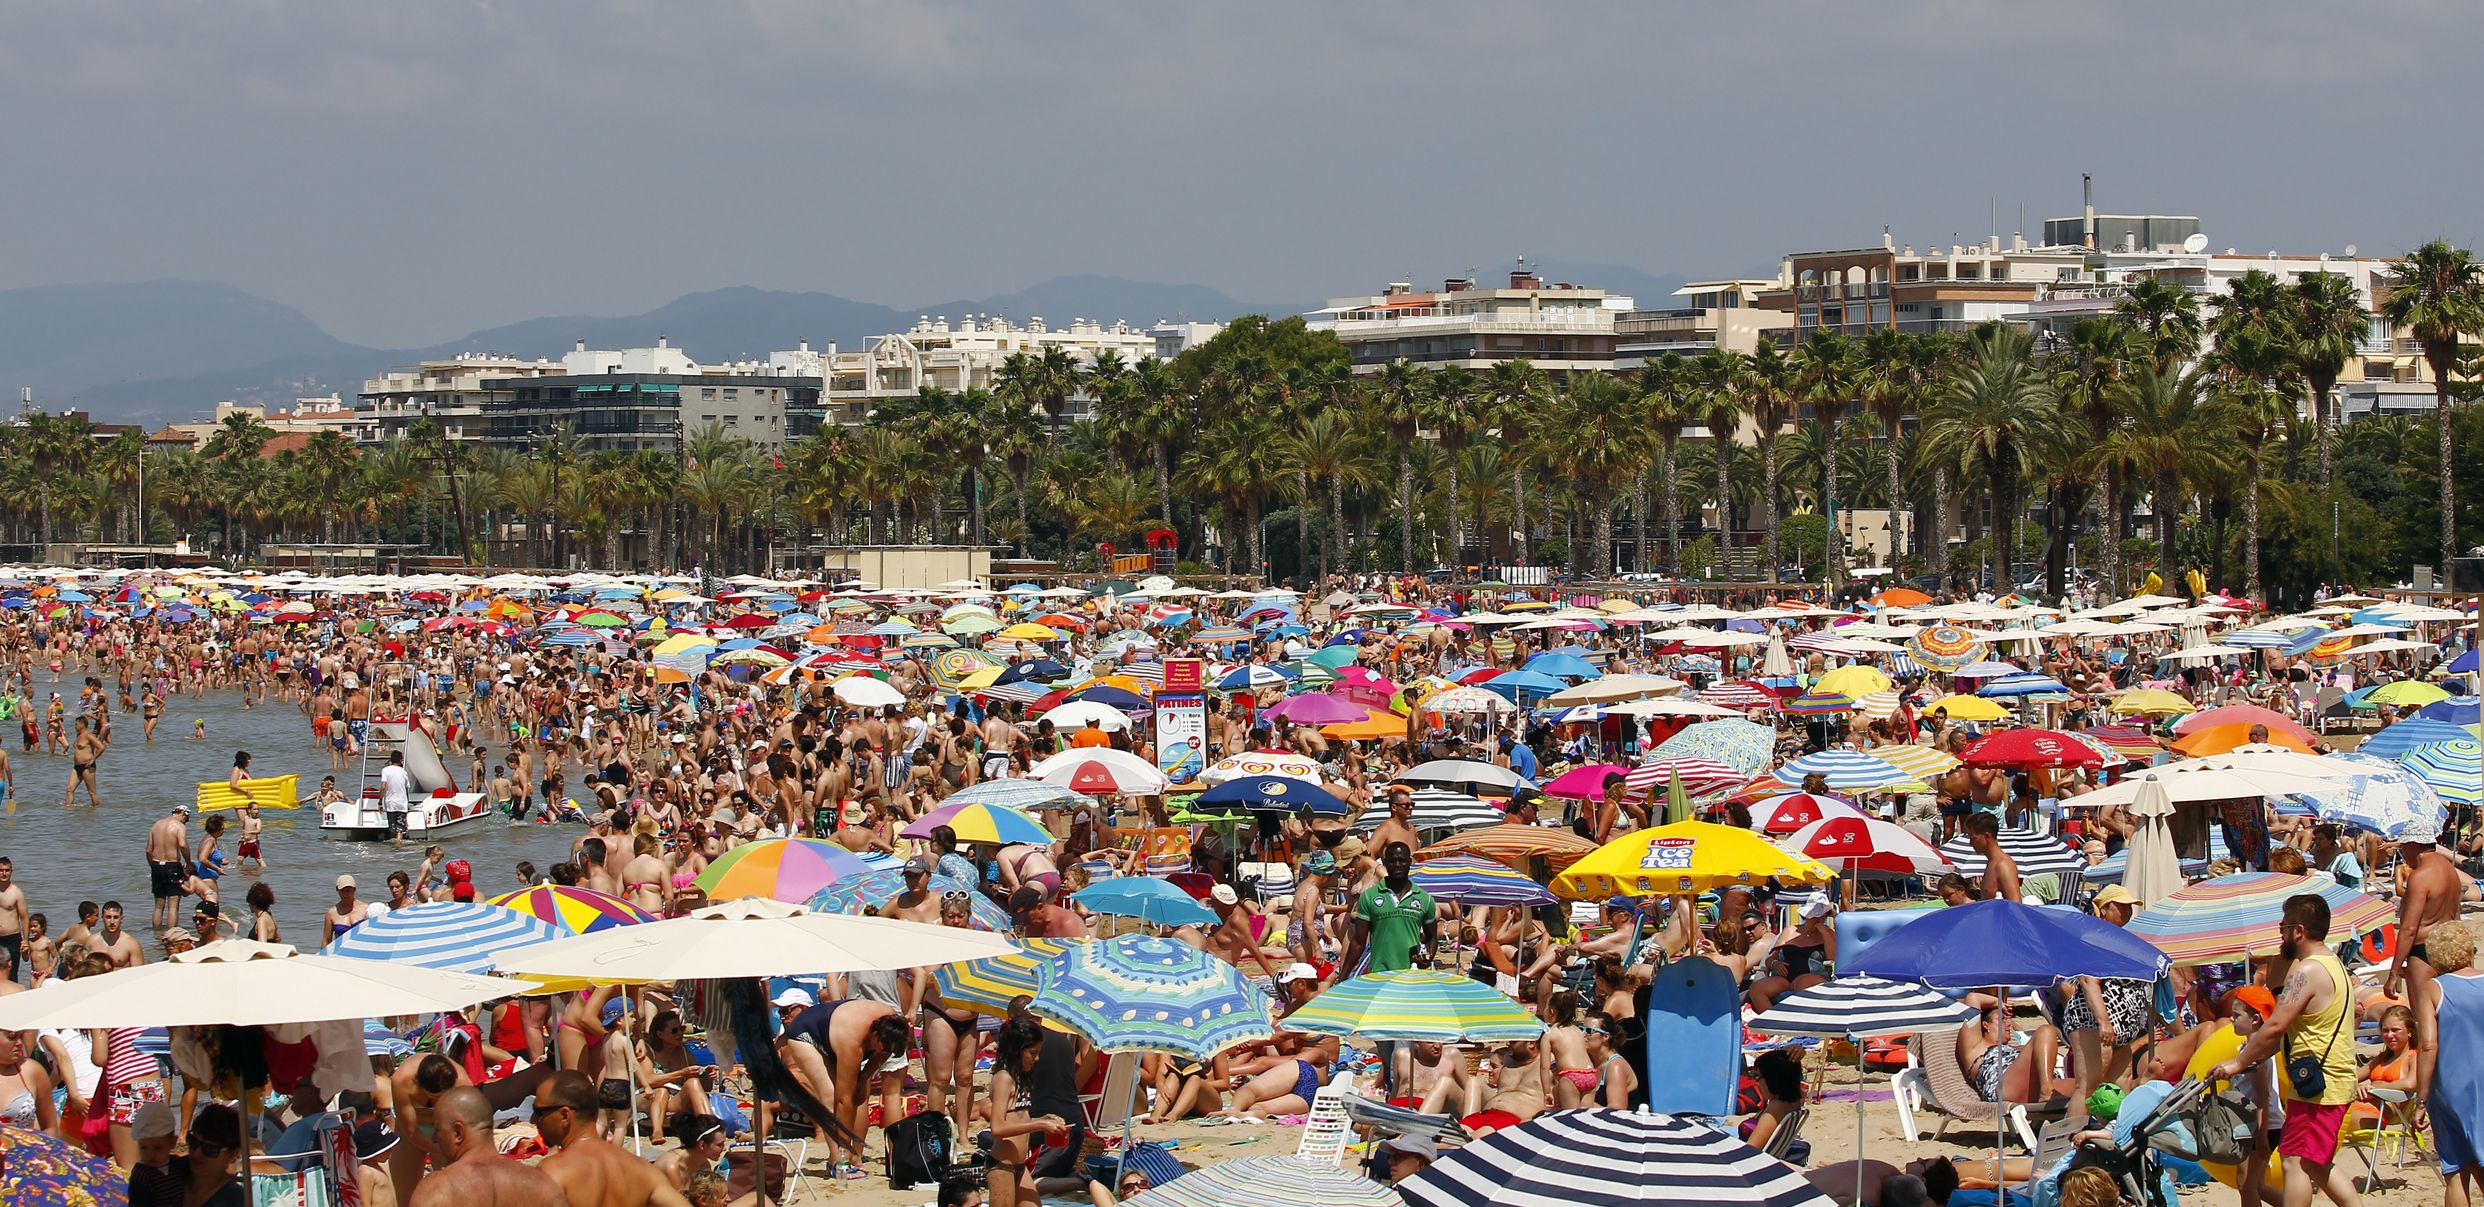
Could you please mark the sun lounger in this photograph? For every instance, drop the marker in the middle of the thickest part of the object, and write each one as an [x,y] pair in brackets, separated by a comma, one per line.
[1938,1083]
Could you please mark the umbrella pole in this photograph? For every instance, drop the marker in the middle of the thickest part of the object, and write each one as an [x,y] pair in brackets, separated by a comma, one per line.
[631,1052]
[1858,1118]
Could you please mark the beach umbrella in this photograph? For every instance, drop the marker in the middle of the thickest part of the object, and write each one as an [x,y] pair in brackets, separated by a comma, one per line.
[1967,708]
[1862,1005]
[1020,794]
[1818,703]
[1609,1158]
[2403,738]
[1137,993]
[780,869]
[1100,771]
[1858,843]
[239,982]
[749,938]
[1041,670]
[1465,700]
[2391,802]
[980,821]
[1121,692]
[1145,898]
[2454,769]
[863,691]
[1698,777]
[1583,782]
[1315,709]
[1737,695]
[2246,715]
[1921,764]
[2457,710]
[1515,844]
[1279,794]
[2150,701]
[2407,693]
[2035,854]
[1988,669]
[1250,675]
[1438,809]
[1262,762]
[2013,686]
[2152,867]
[1944,647]
[1268,1182]
[37,1170]
[460,936]
[1845,770]
[2002,942]
[1462,773]
[2030,748]
[1685,857]
[1075,715]
[1786,812]
[1858,681]
[949,668]
[2132,744]
[1745,746]
[2235,917]
[990,984]
[1414,1005]
[1476,880]
[2221,738]
[866,893]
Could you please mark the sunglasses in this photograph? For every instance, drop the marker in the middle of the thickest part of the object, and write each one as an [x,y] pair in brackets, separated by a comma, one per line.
[1591,1031]
[1134,1184]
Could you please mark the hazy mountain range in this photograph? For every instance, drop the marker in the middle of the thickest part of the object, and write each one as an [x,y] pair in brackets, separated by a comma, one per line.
[164,351]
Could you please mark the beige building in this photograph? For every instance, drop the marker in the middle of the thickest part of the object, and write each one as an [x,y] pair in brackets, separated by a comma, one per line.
[966,355]
[452,392]
[1559,327]
[1709,314]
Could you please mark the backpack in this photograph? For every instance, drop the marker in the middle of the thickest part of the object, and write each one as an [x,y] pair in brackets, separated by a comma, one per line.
[919,1150]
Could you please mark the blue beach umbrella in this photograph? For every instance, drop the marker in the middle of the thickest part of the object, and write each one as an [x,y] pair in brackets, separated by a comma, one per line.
[2005,943]
[868,891]
[1271,794]
[1146,899]
[2400,739]
[2457,710]
[2455,770]
[1136,993]
[454,936]
[1562,664]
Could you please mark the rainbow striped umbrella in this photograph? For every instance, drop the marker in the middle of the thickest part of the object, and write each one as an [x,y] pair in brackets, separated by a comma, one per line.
[982,821]
[572,910]
[782,869]
[1944,647]
[2233,917]
[871,890]
[1136,993]
[2454,769]
[1744,746]
[1818,703]
[1475,880]
[454,936]
[988,985]
[1269,1182]
[1442,1007]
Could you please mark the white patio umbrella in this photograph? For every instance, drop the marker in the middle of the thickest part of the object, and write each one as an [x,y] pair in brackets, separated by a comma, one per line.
[2155,869]
[863,691]
[750,937]
[239,982]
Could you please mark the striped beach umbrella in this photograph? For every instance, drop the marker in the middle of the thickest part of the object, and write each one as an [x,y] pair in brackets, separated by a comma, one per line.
[574,910]
[1609,1158]
[1846,771]
[1920,763]
[2132,743]
[2401,739]
[2035,854]
[1818,703]
[1515,845]
[1475,880]
[1438,809]
[981,821]
[1020,794]
[1862,1005]
[1136,993]
[2454,769]
[1441,1007]
[1787,812]
[988,985]
[1699,777]
[782,869]
[453,936]
[869,891]
[2235,917]
[1269,1182]
[1744,746]
[949,668]
[2030,684]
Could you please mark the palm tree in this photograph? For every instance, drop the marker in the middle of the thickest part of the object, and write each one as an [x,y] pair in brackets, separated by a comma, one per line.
[2174,426]
[117,464]
[2092,364]
[1673,404]
[1602,446]
[1400,398]
[1828,367]
[330,460]
[1450,412]
[1999,418]
[1772,385]
[1016,443]
[1718,403]
[2166,317]
[1331,448]
[1160,414]
[1519,393]
[2329,323]
[2437,297]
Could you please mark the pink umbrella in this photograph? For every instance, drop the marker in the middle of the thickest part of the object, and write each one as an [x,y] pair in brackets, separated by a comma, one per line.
[1314,708]
[1584,783]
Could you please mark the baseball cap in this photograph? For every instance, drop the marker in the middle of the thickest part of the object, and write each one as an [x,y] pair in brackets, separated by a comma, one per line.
[1297,972]
[2257,997]
[207,909]
[2114,894]
[344,882]
[918,866]
[1413,1146]
[373,1139]
[1815,911]
[179,934]
[793,996]
[1223,894]
[154,1119]
[182,807]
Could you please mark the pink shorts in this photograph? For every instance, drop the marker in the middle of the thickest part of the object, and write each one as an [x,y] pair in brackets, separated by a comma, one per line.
[2311,1131]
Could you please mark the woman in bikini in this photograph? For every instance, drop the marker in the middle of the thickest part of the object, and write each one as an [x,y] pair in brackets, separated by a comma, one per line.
[1616,1080]
[1016,1135]
[1575,1073]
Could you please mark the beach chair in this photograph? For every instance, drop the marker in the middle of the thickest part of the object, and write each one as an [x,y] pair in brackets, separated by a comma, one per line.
[1323,1139]
[1789,1130]
[1939,1083]
[2399,1128]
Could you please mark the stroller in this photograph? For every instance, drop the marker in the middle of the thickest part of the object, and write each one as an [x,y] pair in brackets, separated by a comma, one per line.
[2173,1127]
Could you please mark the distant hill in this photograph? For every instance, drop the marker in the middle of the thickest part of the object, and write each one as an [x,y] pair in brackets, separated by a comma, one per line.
[64,338]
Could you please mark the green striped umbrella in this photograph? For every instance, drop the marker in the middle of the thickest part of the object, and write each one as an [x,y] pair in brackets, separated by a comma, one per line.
[1443,1007]
[1136,993]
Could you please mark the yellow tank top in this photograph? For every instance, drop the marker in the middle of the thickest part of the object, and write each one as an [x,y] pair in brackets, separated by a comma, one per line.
[2322,1033]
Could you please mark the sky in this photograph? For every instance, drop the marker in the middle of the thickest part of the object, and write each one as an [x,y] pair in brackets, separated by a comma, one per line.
[405,171]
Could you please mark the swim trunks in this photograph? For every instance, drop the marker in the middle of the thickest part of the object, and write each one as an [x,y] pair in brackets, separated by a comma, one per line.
[164,879]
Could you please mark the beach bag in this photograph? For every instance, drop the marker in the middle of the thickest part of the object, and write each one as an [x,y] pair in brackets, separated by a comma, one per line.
[2227,1122]
[920,1148]
[740,1181]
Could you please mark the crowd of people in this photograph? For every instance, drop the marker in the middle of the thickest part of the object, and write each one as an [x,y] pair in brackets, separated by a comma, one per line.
[663,764]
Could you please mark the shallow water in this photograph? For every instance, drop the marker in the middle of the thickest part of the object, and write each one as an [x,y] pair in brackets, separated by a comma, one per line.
[63,856]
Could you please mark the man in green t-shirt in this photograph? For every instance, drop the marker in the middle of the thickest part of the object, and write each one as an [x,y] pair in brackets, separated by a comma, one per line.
[1393,919]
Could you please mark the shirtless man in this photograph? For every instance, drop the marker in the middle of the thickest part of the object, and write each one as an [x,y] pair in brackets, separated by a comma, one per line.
[1508,1090]
[115,944]
[1230,939]
[168,862]
[476,1175]
[1000,741]
[590,1170]
[2431,898]
[82,755]
[2000,871]
[1427,1075]
[12,920]
[1399,826]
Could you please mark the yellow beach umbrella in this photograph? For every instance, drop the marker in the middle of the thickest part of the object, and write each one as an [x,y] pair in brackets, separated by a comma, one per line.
[681,643]
[1967,708]
[1857,681]
[1030,631]
[1685,857]
[2150,701]
[981,679]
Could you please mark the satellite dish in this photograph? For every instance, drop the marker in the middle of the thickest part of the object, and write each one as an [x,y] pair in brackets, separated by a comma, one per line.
[2350,251]
[2196,244]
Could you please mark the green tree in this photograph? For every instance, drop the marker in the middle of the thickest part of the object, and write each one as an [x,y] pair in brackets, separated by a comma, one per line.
[2000,419]
[2436,296]
[1828,368]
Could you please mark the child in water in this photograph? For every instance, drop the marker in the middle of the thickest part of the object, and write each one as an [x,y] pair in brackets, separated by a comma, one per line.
[198,730]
